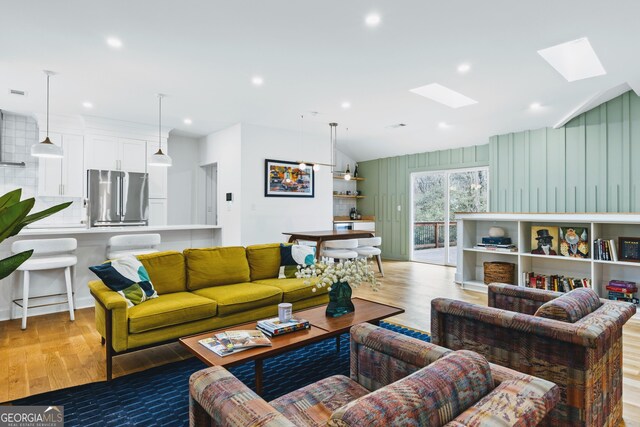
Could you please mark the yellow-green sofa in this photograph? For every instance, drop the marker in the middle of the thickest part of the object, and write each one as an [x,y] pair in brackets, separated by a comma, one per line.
[198,290]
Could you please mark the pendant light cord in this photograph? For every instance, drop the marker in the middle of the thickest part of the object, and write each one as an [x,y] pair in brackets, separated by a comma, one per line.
[160,122]
[48,76]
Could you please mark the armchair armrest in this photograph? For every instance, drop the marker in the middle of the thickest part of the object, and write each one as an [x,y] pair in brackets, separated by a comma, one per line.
[518,400]
[217,398]
[380,356]
[518,298]
[590,331]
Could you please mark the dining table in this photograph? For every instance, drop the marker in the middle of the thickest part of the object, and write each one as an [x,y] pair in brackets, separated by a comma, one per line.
[322,236]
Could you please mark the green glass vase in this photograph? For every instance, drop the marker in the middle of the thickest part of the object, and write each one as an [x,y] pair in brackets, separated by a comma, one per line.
[339,300]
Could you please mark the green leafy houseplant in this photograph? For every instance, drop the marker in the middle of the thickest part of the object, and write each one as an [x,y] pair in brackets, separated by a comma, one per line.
[14,216]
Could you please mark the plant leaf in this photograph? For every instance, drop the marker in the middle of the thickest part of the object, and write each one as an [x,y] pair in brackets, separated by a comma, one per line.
[9,265]
[11,198]
[39,215]
[12,216]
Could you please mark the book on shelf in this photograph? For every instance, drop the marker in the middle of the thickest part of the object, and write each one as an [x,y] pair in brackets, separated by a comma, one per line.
[274,327]
[554,282]
[496,248]
[605,250]
[231,342]
[496,240]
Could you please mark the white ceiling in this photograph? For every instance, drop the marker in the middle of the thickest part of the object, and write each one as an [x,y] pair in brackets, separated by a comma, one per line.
[313,56]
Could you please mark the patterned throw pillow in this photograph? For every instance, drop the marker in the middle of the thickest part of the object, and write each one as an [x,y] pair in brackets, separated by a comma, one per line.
[293,255]
[128,277]
[570,307]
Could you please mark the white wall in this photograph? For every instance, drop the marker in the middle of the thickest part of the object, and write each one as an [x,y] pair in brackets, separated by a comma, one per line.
[224,148]
[265,218]
[182,186]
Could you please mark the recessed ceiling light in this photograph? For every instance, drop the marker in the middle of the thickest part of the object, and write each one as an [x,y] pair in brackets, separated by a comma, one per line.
[575,60]
[114,42]
[535,106]
[87,104]
[464,68]
[443,125]
[346,105]
[257,80]
[444,95]
[187,121]
[372,20]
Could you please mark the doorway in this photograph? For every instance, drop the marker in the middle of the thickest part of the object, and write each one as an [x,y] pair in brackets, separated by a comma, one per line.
[436,197]
[211,194]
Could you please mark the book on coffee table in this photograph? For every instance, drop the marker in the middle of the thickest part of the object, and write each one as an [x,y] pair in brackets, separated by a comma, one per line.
[274,327]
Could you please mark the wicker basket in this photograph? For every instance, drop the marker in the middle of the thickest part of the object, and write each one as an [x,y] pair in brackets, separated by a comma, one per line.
[500,272]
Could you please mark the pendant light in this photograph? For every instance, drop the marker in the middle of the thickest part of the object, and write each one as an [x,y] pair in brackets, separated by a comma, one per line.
[47,148]
[315,165]
[159,158]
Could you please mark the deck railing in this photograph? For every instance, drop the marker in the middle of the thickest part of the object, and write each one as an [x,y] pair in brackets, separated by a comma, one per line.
[431,234]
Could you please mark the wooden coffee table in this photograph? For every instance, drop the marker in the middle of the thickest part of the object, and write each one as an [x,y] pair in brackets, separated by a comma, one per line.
[322,327]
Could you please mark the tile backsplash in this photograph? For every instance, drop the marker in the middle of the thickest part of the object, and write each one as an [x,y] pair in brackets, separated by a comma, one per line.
[19,133]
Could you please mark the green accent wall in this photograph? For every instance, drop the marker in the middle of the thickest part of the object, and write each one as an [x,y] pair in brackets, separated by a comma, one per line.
[386,187]
[585,166]
[592,164]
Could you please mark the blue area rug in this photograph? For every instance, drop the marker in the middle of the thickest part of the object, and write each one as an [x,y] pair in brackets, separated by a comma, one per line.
[160,396]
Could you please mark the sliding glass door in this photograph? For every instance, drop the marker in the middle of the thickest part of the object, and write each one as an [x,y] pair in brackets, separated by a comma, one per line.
[436,197]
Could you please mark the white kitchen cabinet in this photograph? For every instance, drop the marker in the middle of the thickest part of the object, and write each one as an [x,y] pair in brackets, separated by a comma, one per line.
[365,226]
[133,155]
[65,176]
[103,153]
[158,175]
[157,212]
[114,153]
[158,182]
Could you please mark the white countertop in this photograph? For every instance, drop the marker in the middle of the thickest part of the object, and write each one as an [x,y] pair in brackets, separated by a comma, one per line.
[103,230]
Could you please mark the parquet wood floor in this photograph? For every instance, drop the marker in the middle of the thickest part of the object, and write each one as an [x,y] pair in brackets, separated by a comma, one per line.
[55,353]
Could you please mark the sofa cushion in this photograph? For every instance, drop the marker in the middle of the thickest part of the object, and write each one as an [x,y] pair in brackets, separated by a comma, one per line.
[216,266]
[264,261]
[294,289]
[432,396]
[570,307]
[170,309]
[240,297]
[166,271]
[313,405]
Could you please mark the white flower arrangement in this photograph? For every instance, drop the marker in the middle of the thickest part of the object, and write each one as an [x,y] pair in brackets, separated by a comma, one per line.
[324,274]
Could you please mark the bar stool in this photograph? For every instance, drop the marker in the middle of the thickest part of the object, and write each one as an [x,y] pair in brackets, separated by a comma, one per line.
[48,254]
[340,249]
[369,247]
[132,244]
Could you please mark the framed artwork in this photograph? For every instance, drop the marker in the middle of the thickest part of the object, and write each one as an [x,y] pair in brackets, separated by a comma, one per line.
[286,179]
[544,240]
[574,242]
[629,249]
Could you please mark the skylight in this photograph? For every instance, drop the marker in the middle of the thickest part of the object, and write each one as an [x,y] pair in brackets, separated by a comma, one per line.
[575,60]
[444,95]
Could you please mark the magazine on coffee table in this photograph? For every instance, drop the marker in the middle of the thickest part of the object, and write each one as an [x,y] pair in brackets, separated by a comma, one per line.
[231,342]
[246,339]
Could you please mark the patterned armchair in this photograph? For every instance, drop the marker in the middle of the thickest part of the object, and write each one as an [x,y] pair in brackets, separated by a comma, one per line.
[574,341]
[395,380]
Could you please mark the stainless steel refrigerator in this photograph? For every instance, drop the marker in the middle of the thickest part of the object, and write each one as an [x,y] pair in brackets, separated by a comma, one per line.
[117,198]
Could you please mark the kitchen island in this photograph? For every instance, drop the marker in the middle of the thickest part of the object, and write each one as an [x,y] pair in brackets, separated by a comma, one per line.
[92,246]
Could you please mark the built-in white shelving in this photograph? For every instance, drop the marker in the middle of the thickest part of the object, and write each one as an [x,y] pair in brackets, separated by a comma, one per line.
[472,227]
